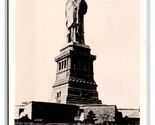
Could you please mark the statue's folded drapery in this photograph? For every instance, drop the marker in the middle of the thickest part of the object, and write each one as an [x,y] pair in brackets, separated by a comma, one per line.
[75,9]
[71,13]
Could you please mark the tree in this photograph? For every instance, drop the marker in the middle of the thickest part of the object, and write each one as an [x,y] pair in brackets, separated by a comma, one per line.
[91,117]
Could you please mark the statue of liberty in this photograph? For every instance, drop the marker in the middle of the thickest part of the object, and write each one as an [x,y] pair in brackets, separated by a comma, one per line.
[75,11]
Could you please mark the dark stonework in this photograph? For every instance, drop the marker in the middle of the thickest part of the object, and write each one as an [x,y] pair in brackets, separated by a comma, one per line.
[75,77]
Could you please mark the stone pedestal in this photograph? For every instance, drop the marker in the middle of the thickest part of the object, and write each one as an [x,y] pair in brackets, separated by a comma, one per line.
[74,78]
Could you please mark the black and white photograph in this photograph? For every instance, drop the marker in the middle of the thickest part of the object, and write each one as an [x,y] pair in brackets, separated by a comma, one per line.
[77,62]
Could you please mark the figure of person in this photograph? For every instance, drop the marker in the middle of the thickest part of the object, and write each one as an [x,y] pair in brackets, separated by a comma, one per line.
[75,11]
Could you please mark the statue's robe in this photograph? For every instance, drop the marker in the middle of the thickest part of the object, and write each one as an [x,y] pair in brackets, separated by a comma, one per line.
[71,13]
[75,10]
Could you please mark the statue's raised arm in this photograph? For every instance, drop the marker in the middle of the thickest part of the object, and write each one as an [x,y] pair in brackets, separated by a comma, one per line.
[75,11]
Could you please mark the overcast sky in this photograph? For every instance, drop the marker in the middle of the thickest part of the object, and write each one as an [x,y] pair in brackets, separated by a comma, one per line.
[112,30]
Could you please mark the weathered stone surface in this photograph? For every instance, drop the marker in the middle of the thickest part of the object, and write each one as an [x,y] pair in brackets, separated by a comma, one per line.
[75,77]
[104,113]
